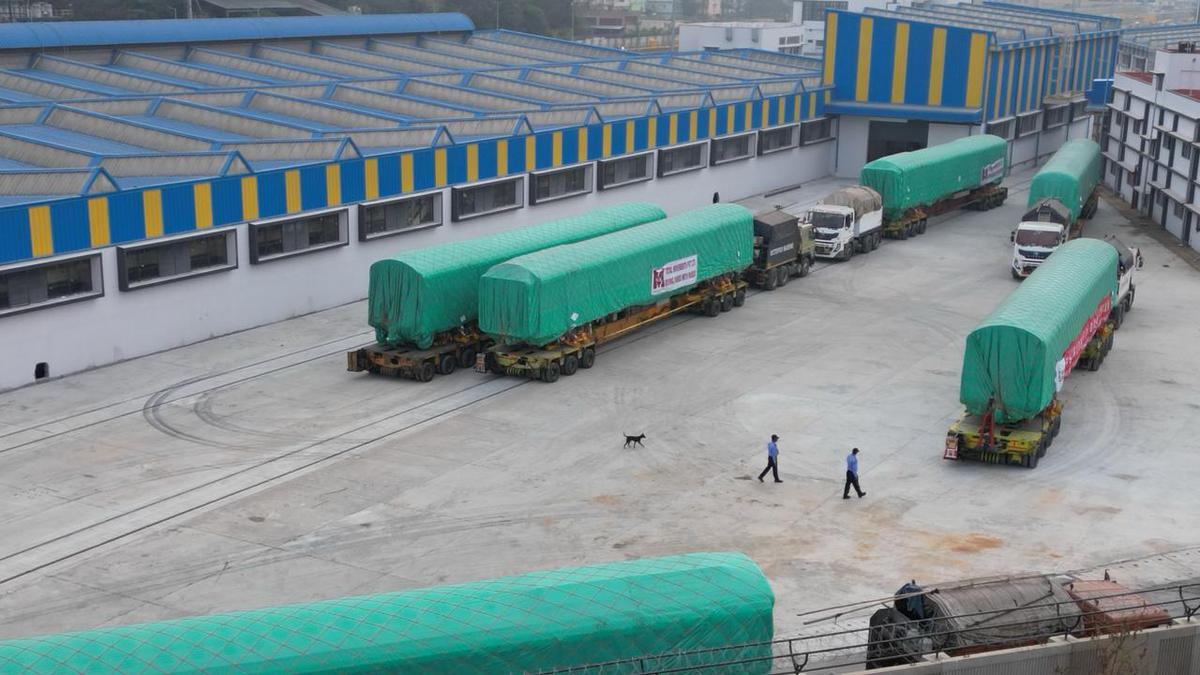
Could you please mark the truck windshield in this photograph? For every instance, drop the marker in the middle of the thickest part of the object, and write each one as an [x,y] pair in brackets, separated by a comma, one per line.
[827,220]
[1042,238]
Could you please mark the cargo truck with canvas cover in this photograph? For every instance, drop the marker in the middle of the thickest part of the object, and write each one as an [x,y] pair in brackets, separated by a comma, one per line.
[699,612]
[847,221]
[1016,360]
[548,311]
[423,303]
[1062,194]
[783,248]
[964,173]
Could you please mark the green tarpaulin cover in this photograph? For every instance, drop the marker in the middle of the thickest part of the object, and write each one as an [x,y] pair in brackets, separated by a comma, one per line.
[538,297]
[1070,176]
[907,180]
[525,624]
[417,294]
[1013,356]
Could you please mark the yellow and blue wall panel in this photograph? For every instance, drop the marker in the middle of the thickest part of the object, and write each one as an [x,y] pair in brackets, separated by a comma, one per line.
[891,65]
[81,223]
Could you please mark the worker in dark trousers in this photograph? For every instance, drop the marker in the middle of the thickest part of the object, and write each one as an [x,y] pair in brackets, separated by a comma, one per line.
[772,460]
[852,475]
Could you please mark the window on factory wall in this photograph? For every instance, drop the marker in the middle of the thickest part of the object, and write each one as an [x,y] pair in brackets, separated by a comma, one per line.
[1137,126]
[491,197]
[1001,128]
[1178,209]
[1029,123]
[779,138]
[1056,117]
[682,158]
[385,218]
[274,239]
[150,264]
[731,148]
[626,170]
[547,186]
[815,131]
[1185,150]
[1079,110]
[38,285]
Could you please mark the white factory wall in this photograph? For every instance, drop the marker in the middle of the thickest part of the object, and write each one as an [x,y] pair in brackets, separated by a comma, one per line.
[944,133]
[852,145]
[122,325]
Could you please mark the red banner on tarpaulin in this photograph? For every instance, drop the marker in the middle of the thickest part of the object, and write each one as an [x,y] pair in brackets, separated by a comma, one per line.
[1075,349]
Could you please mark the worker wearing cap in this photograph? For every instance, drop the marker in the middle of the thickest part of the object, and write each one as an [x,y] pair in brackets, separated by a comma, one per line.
[772,460]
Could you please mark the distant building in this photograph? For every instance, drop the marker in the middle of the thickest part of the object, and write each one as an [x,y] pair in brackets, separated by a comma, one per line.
[1150,137]
[19,10]
[772,36]
[232,8]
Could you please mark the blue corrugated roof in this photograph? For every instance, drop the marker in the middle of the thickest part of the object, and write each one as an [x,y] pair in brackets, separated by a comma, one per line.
[97,33]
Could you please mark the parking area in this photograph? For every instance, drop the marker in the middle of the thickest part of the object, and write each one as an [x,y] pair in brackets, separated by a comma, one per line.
[252,469]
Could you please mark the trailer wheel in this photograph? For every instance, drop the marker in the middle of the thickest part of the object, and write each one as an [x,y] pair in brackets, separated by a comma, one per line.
[570,364]
[711,307]
[1031,460]
[466,358]
[921,225]
[1129,300]
[1119,316]
[425,373]
[785,275]
[726,302]
[446,364]
[550,372]
[1055,426]
[769,280]
[876,238]
[902,233]
[739,298]
[587,358]
[806,267]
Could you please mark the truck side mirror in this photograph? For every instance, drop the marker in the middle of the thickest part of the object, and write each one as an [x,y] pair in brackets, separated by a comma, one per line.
[1140,261]
[1012,236]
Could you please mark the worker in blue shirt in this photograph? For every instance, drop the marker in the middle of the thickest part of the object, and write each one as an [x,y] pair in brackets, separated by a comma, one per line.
[772,460]
[852,475]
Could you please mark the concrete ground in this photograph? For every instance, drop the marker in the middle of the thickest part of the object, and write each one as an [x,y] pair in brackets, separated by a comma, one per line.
[253,470]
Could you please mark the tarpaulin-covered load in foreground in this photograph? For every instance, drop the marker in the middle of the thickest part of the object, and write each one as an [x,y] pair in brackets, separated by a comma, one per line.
[417,294]
[907,180]
[1017,358]
[1070,176]
[706,604]
[537,298]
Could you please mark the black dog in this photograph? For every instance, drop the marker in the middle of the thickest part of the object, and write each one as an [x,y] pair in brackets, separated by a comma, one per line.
[634,440]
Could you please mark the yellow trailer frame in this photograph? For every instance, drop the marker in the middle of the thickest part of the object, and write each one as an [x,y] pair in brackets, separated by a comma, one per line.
[577,349]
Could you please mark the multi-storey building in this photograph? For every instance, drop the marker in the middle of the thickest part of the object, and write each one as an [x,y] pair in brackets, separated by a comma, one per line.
[1151,140]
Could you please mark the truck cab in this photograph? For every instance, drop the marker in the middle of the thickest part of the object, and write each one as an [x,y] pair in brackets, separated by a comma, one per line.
[833,230]
[1033,242]
[783,248]
[1129,261]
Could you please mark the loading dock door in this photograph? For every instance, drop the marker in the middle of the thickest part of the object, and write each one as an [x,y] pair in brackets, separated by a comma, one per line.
[888,138]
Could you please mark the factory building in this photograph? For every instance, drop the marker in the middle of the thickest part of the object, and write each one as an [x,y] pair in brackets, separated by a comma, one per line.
[910,77]
[165,182]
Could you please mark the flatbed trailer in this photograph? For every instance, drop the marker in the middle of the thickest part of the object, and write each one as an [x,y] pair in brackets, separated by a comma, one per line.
[450,350]
[914,221]
[577,349]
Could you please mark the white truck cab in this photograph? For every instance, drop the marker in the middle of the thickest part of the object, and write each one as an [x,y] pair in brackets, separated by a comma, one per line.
[846,222]
[1033,242]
